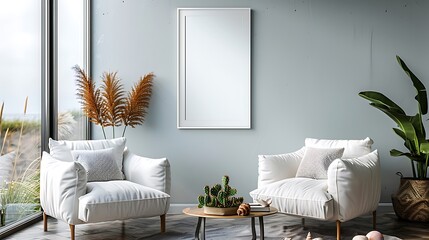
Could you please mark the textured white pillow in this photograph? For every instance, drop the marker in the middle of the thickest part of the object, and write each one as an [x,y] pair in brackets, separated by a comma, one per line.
[100,165]
[316,161]
[61,149]
[352,148]
[6,167]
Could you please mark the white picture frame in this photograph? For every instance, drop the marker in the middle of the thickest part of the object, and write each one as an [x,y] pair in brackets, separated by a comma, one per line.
[214,68]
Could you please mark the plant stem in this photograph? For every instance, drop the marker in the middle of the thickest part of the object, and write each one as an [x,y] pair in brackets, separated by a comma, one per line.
[414,168]
[19,140]
[426,166]
[104,133]
[123,133]
[4,141]
[113,130]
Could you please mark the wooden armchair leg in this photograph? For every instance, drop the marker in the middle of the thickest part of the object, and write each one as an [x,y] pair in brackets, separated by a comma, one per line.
[374,220]
[45,222]
[338,230]
[162,223]
[72,233]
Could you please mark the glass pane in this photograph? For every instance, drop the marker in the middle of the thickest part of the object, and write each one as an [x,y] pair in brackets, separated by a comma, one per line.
[71,123]
[20,61]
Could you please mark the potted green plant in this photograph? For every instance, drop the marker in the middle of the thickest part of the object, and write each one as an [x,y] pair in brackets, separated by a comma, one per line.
[219,199]
[413,191]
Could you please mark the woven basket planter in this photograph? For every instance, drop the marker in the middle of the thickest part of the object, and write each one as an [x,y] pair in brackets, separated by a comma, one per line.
[411,202]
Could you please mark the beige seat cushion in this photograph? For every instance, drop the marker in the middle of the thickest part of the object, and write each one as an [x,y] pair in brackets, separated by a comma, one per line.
[117,200]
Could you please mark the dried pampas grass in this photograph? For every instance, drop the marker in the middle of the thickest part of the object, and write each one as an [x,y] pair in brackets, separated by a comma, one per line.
[109,106]
[137,102]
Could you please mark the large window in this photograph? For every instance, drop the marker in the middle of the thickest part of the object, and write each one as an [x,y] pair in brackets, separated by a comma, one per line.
[41,41]
[21,61]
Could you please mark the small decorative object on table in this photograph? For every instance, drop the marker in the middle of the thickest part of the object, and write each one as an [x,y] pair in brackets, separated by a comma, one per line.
[243,209]
[257,207]
[219,200]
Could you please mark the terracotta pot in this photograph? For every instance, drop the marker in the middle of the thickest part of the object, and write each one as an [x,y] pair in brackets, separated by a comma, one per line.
[411,201]
[220,211]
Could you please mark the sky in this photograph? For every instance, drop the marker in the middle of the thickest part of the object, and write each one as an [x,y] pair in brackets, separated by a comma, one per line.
[20,59]
[20,54]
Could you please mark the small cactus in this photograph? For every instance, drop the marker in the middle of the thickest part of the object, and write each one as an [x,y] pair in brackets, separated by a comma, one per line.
[215,189]
[220,197]
[225,180]
[207,190]
[200,201]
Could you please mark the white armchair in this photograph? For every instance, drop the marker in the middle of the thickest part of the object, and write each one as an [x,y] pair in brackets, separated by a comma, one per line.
[68,192]
[350,189]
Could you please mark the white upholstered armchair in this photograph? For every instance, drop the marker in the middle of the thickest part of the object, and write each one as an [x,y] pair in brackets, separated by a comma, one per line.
[333,180]
[97,181]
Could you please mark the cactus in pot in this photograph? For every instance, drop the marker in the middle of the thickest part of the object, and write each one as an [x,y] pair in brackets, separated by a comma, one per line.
[220,196]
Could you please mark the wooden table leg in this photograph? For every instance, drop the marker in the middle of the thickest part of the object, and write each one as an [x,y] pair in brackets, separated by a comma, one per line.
[261,227]
[253,228]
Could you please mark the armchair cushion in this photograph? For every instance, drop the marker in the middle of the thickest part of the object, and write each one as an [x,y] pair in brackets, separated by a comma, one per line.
[316,161]
[355,185]
[150,172]
[100,165]
[61,184]
[352,148]
[273,168]
[62,149]
[298,196]
[117,200]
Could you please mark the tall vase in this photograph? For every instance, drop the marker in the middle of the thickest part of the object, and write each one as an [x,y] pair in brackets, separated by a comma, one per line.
[411,202]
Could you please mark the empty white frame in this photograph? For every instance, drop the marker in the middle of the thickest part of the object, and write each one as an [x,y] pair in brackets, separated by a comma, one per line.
[213,68]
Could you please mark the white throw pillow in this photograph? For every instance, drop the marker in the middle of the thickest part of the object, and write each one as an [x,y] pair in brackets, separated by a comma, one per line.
[61,150]
[100,165]
[352,148]
[6,167]
[316,161]
[273,168]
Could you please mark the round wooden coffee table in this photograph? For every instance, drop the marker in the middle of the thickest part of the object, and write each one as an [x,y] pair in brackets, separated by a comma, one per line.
[200,230]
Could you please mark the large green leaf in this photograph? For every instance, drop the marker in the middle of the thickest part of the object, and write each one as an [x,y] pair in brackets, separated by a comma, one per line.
[418,126]
[424,147]
[381,99]
[400,133]
[397,153]
[421,96]
[403,123]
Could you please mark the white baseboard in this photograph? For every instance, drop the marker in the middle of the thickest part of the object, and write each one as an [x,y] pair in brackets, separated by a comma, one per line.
[177,208]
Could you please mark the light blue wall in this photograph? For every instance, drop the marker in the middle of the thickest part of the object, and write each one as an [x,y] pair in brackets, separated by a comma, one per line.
[309,61]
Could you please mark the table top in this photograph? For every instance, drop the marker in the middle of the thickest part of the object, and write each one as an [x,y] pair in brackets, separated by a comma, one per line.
[199,212]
